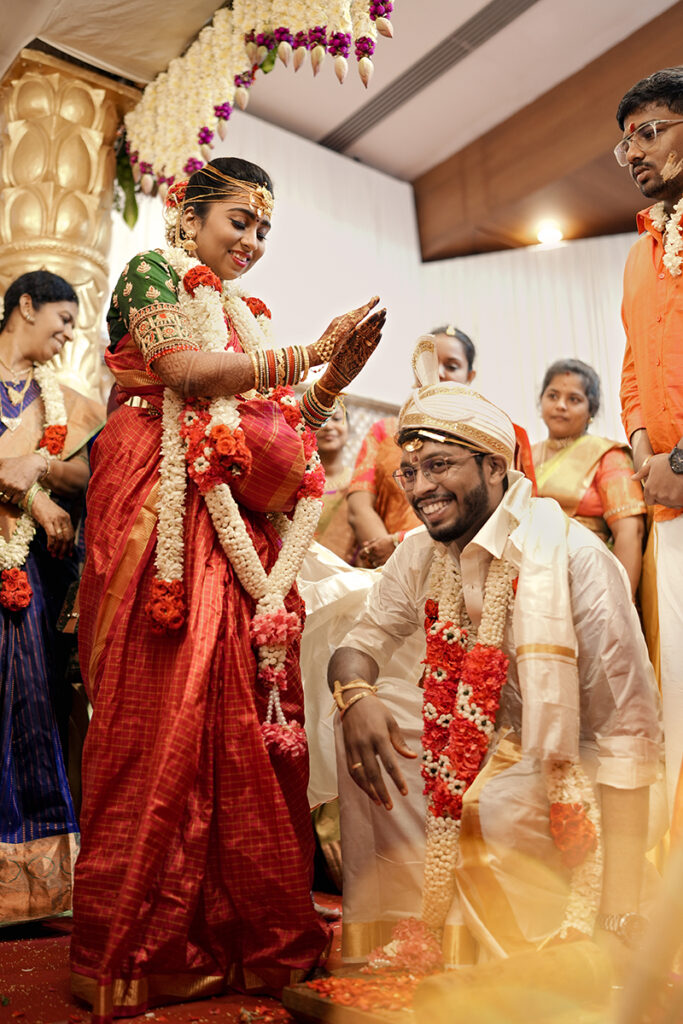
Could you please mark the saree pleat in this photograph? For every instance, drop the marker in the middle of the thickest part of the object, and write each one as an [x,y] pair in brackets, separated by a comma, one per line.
[197,847]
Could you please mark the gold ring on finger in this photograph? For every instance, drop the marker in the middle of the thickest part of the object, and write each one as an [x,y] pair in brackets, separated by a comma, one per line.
[356,766]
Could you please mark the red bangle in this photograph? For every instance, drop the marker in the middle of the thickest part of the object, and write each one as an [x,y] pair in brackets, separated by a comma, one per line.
[272,368]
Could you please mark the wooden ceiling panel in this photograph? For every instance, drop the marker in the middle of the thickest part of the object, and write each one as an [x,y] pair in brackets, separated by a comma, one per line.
[553,158]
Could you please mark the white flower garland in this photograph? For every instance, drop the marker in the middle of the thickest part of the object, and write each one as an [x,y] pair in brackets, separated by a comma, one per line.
[566,783]
[14,552]
[163,129]
[205,312]
[207,325]
[443,834]
[672,236]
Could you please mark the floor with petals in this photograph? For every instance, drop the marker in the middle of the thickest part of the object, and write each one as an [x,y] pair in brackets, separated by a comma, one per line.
[34,983]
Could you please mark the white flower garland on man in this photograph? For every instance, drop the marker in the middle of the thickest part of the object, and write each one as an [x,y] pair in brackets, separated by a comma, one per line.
[465,672]
[672,236]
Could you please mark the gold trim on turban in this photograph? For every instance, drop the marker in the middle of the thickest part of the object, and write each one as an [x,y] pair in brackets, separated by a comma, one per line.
[453,410]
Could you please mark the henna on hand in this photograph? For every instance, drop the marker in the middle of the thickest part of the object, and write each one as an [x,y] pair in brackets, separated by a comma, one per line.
[339,331]
[350,358]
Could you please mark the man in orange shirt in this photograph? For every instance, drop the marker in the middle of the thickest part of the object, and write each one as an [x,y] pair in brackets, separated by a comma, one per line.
[651,118]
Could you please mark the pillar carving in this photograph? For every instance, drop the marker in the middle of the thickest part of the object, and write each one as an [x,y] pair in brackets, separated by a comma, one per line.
[57,169]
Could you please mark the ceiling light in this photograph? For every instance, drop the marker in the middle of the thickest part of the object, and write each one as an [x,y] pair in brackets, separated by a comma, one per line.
[549,232]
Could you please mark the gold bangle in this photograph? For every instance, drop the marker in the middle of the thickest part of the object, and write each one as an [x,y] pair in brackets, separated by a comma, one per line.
[645,461]
[332,394]
[354,684]
[306,359]
[254,363]
[353,700]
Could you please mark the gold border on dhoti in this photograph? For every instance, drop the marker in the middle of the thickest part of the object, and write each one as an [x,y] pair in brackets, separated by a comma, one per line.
[359,938]
[546,651]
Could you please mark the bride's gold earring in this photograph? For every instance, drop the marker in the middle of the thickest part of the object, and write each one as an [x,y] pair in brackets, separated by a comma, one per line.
[189,245]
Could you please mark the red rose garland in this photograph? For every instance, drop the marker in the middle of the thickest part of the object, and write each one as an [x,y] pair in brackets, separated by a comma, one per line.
[257,306]
[573,833]
[16,591]
[215,454]
[203,440]
[201,275]
[461,698]
[53,439]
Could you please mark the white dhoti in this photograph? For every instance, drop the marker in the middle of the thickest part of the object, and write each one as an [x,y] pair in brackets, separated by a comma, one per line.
[511,885]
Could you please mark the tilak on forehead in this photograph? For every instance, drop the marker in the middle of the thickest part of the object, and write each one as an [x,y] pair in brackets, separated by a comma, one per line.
[446,412]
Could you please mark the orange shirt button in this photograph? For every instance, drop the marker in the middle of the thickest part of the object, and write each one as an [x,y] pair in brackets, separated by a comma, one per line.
[661,277]
[658,318]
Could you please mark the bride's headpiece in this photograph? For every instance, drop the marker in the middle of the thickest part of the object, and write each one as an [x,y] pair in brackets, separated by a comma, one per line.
[257,198]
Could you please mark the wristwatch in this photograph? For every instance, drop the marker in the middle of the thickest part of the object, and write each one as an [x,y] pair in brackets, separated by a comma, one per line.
[676,459]
[630,928]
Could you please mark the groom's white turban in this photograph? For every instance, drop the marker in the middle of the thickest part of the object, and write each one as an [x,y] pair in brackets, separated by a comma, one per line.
[446,411]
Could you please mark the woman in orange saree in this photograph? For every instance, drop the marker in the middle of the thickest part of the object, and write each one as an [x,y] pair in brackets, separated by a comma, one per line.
[589,476]
[195,868]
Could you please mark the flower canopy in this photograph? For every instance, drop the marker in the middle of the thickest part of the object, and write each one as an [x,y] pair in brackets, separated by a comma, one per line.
[171,131]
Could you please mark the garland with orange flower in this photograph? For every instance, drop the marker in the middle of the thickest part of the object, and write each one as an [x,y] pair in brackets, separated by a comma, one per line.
[15,589]
[204,440]
[464,675]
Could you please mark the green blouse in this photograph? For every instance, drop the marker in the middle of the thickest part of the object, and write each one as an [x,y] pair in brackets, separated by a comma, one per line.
[145,304]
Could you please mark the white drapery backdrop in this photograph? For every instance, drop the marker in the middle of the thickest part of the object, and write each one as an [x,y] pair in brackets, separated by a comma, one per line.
[342,232]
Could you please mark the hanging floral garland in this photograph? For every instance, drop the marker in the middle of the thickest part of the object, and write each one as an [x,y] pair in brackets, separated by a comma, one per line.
[464,675]
[204,440]
[173,128]
[673,237]
[15,589]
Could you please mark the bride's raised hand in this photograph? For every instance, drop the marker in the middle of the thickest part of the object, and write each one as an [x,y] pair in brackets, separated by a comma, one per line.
[338,333]
[352,354]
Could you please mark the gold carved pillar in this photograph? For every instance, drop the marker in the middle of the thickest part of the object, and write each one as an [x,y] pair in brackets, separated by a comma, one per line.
[57,169]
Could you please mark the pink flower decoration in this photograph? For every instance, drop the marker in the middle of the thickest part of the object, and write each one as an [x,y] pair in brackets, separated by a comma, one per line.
[270,676]
[280,627]
[286,740]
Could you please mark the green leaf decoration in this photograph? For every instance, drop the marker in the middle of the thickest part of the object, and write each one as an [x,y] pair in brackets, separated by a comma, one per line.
[124,176]
[269,62]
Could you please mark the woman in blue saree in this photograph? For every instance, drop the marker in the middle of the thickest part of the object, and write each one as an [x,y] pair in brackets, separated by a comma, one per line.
[43,475]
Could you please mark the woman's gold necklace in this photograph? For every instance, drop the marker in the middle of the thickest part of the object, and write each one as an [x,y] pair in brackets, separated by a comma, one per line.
[16,397]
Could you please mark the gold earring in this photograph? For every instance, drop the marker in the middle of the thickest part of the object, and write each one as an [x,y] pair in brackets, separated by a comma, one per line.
[29,317]
[189,245]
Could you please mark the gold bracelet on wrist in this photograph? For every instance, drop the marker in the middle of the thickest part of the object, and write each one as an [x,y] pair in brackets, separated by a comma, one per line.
[354,684]
[306,360]
[353,700]
[257,375]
